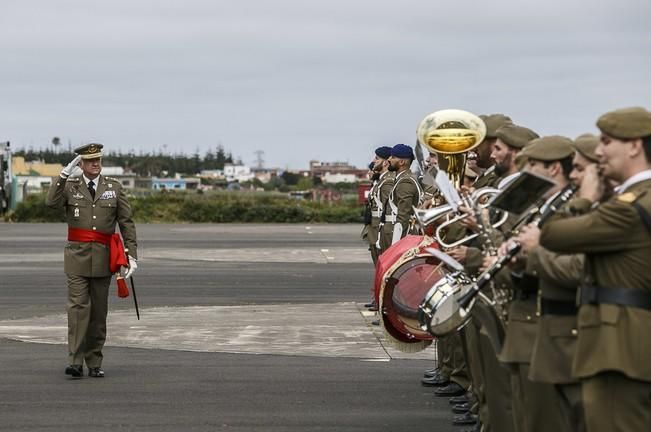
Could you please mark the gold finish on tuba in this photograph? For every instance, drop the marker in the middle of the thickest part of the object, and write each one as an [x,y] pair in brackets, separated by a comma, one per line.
[451,134]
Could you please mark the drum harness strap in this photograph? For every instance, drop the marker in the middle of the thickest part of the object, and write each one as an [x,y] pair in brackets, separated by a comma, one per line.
[392,218]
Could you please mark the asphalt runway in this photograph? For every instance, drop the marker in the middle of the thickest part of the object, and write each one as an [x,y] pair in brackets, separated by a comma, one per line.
[244,328]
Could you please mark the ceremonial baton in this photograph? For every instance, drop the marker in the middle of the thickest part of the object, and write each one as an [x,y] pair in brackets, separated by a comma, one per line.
[135,299]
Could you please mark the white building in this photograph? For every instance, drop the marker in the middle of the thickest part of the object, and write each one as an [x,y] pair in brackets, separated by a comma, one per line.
[241,173]
[339,178]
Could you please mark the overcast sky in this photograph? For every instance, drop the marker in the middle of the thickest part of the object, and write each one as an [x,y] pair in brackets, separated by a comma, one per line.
[300,80]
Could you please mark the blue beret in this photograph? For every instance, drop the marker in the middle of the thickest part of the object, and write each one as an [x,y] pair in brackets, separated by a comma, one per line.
[402,151]
[384,152]
[371,165]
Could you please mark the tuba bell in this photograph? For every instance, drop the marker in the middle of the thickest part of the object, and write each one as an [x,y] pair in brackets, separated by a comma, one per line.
[451,134]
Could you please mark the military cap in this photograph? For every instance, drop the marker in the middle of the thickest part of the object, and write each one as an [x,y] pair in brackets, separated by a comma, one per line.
[493,122]
[515,136]
[383,152]
[549,148]
[626,123]
[586,145]
[90,151]
[402,151]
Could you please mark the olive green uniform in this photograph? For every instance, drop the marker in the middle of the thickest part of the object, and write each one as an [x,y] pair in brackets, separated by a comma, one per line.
[613,353]
[555,344]
[378,196]
[404,196]
[87,263]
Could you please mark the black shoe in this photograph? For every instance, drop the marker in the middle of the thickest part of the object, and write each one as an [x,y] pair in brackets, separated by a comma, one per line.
[452,389]
[464,398]
[376,322]
[435,381]
[96,372]
[461,408]
[76,371]
[466,419]
[370,305]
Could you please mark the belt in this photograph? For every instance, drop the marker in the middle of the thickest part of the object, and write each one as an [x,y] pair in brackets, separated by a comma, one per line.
[557,307]
[526,286]
[525,294]
[376,213]
[632,297]
[117,255]
[390,218]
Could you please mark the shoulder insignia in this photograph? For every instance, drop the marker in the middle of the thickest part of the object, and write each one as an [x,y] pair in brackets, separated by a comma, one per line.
[627,197]
[72,179]
[111,179]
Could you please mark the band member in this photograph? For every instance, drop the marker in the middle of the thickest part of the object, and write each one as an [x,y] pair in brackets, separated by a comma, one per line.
[541,290]
[511,139]
[613,354]
[378,196]
[483,161]
[94,204]
[404,196]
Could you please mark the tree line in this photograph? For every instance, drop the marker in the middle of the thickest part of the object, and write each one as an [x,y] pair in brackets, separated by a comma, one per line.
[143,164]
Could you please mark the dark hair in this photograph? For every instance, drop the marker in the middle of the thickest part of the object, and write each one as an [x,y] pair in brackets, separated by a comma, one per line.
[566,165]
[646,143]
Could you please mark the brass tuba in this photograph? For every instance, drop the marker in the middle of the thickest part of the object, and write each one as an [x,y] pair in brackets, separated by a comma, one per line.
[451,134]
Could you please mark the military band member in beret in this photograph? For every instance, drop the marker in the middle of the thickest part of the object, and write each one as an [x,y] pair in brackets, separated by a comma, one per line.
[94,205]
[378,196]
[404,196]
[613,353]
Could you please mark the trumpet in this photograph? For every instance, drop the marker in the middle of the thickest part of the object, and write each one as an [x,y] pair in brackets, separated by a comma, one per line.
[479,198]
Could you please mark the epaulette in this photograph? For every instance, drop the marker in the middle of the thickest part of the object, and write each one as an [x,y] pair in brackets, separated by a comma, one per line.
[111,179]
[630,197]
[73,179]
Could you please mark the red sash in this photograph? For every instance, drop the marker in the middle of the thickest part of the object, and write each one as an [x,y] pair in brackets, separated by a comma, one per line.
[117,255]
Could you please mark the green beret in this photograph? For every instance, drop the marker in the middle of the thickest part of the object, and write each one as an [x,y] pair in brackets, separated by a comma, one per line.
[549,148]
[626,123]
[515,136]
[493,122]
[586,145]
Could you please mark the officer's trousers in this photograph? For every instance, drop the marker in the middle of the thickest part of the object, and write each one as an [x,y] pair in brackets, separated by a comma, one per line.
[87,309]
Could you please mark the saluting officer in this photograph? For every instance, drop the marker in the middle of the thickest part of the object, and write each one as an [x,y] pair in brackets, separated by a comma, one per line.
[405,195]
[94,204]
[613,354]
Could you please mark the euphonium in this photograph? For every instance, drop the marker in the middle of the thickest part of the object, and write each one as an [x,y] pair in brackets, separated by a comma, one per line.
[451,134]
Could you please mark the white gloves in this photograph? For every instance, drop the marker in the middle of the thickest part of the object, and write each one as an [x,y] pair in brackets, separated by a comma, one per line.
[132,267]
[72,168]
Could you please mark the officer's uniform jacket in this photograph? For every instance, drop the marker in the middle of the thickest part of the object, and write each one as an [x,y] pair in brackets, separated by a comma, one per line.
[109,208]
[617,244]
[556,337]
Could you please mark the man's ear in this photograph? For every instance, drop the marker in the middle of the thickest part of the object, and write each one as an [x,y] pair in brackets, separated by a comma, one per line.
[637,147]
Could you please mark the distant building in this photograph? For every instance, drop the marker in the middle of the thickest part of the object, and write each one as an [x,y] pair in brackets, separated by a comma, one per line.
[36,168]
[175,183]
[240,173]
[337,172]
[216,174]
[266,174]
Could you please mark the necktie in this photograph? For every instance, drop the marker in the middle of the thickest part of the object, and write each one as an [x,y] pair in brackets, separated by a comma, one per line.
[91,188]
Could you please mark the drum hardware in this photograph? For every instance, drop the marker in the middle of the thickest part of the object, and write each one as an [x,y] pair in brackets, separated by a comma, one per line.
[447,304]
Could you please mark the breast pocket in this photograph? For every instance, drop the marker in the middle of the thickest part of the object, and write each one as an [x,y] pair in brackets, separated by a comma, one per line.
[108,203]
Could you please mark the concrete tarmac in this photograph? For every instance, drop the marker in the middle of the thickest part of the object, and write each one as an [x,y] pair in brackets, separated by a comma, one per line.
[244,327]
